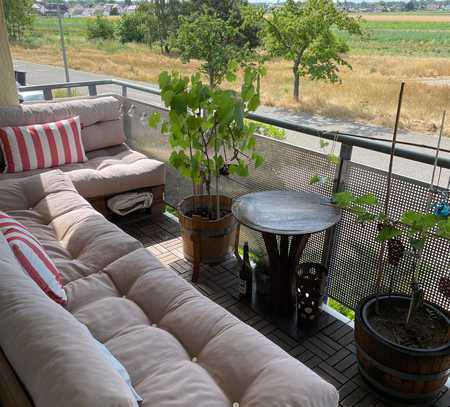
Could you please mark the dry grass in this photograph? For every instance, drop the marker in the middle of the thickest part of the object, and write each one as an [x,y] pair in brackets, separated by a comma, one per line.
[367,93]
[431,18]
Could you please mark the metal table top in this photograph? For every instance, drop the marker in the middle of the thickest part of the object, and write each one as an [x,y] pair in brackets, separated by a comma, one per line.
[286,212]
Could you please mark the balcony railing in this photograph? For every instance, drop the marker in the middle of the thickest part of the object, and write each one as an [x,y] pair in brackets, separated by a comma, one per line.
[349,251]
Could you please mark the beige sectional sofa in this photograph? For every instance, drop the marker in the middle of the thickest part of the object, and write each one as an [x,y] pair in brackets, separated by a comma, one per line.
[180,349]
[112,167]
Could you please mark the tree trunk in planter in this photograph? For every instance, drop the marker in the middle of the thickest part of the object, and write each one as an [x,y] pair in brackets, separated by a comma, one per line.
[204,240]
[405,375]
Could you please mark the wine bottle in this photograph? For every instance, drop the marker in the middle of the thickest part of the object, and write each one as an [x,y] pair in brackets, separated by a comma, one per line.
[245,275]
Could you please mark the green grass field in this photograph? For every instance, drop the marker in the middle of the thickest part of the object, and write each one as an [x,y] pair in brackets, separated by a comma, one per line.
[382,37]
[415,38]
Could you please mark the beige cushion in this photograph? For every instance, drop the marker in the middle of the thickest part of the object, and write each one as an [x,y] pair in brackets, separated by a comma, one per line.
[49,349]
[109,171]
[197,354]
[99,117]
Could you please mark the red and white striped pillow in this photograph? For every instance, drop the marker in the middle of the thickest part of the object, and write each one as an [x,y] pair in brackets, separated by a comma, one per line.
[32,257]
[42,145]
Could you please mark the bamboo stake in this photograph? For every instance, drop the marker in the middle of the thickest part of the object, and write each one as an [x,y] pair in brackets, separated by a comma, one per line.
[438,149]
[380,266]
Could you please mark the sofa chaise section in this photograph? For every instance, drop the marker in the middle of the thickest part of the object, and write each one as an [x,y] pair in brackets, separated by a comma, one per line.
[112,167]
[180,348]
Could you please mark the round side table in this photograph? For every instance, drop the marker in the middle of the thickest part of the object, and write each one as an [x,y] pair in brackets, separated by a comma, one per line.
[289,218]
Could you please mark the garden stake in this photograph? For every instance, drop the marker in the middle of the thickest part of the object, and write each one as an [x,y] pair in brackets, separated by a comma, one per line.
[438,149]
[388,195]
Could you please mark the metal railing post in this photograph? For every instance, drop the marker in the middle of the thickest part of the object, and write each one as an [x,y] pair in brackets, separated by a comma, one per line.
[92,90]
[48,94]
[124,91]
[339,185]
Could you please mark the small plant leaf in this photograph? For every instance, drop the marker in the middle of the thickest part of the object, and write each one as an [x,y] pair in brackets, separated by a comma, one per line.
[315,179]
[333,159]
[258,159]
[343,199]
[388,232]
[154,120]
[324,143]
[367,199]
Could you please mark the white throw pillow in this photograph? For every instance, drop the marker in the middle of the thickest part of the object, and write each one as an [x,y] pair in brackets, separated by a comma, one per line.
[119,368]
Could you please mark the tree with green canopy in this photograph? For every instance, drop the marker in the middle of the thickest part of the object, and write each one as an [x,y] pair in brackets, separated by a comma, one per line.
[161,20]
[211,40]
[307,33]
[19,17]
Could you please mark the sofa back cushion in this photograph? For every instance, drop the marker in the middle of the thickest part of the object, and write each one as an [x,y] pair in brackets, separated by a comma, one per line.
[100,118]
[56,359]
[39,146]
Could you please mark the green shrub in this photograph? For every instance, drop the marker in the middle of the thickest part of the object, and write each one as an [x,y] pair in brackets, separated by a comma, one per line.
[100,29]
[270,131]
[342,309]
[132,28]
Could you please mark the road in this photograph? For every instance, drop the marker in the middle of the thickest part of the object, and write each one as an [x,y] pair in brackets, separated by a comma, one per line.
[45,74]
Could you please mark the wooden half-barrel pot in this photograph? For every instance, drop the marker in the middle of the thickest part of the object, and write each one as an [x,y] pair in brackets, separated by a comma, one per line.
[401,374]
[207,241]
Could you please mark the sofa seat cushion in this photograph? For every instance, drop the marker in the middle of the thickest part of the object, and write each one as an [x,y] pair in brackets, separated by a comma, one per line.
[168,336]
[77,238]
[109,171]
[54,356]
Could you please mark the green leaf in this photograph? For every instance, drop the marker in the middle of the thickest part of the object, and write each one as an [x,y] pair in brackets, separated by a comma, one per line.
[179,103]
[388,232]
[253,103]
[164,80]
[154,120]
[165,128]
[366,199]
[444,228]
[343,199]
[324,143]
[166,96]
[315,179]
[417,244]
[419,222]
[230,76]
[333,159]
[259,160]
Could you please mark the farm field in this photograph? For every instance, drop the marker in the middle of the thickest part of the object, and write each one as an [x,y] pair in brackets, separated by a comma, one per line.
[407,46]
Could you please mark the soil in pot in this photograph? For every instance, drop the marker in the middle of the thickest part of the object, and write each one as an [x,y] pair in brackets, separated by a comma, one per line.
[427,330]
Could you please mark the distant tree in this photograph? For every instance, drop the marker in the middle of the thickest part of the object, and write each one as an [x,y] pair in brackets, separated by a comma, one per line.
[132,27]
[230,11]
[100,29]
[19,17]
[308,35]
[410,6]
[211,40]
[162,20]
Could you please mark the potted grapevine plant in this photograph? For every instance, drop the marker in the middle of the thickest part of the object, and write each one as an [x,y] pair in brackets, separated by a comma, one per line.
[210,137]
[403,342]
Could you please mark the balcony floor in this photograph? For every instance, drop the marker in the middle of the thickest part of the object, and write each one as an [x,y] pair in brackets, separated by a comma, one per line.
[327,347]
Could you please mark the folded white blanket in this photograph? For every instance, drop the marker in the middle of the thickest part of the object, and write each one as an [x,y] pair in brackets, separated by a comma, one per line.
[126,203]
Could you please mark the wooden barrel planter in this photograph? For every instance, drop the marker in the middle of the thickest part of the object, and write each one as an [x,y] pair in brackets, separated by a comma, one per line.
[402,374]
[204,240]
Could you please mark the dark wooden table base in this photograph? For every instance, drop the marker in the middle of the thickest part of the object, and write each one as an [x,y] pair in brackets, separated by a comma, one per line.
[284,259]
